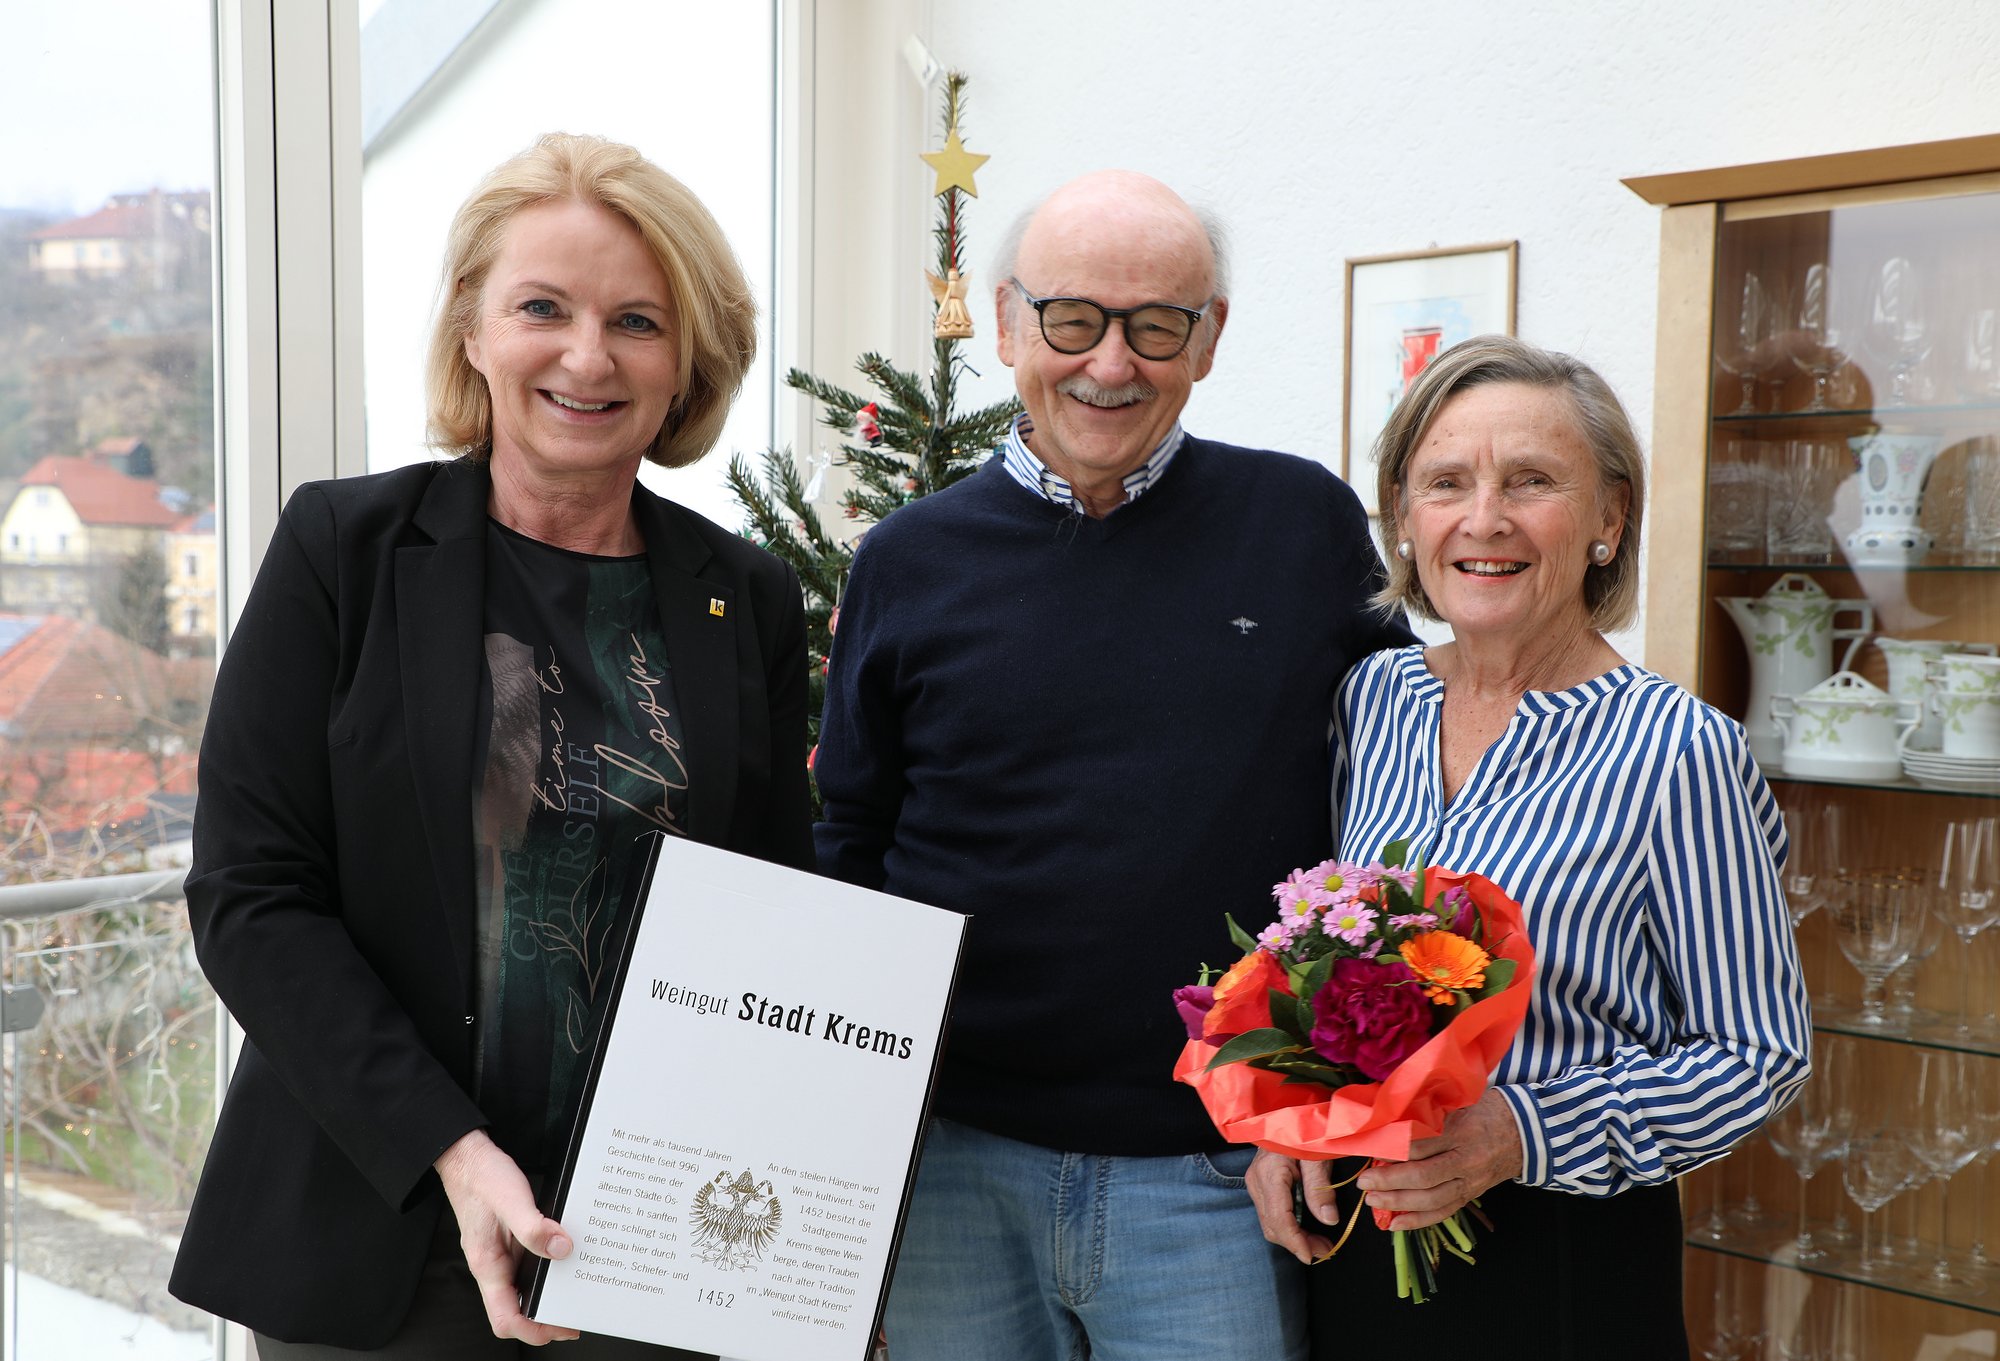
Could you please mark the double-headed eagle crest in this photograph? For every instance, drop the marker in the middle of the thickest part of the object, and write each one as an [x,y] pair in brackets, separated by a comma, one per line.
[735,1221]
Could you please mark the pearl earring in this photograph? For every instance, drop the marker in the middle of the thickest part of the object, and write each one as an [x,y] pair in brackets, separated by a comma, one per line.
[1406,550]
[1600,552]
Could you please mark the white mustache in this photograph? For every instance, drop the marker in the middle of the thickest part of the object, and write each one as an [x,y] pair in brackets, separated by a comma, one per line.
[1087,389]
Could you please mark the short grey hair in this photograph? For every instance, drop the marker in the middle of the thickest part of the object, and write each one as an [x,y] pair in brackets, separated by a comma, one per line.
[1009,252]
[1612,591]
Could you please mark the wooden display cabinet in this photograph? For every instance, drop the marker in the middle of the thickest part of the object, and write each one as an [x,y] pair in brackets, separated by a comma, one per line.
[1827,327]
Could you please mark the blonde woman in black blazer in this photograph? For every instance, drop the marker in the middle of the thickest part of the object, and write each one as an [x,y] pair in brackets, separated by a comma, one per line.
[459,698]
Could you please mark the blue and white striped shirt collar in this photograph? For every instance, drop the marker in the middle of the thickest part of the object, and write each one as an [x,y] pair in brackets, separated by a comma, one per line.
[1036,476]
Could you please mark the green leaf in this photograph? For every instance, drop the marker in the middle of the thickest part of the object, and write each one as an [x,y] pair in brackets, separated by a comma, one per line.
[1302,1015]
[1313,1070]
[1254,1044]
[1393,854]
[1244,941]
[1499,973]
[1315,975]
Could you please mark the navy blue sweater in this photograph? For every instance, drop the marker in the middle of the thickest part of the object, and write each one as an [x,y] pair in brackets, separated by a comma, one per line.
[1096,736]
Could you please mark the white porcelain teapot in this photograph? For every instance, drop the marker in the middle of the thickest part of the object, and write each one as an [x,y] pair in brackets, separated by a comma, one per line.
[1844,729]
[1789,631]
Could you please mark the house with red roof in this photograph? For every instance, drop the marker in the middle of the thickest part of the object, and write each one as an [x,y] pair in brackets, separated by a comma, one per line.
[152,237]
[98,736]
[70,526]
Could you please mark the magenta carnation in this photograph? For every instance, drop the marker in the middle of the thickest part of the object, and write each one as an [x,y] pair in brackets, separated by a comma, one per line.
[1371,1015]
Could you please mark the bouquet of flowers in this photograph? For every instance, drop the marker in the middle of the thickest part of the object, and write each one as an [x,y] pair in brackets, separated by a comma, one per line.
[1375,1005]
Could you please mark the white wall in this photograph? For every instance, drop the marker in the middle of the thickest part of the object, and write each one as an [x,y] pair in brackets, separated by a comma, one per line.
[1322,131]
[687,83]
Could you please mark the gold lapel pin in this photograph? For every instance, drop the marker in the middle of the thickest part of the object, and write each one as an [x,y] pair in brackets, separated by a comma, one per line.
[716,607]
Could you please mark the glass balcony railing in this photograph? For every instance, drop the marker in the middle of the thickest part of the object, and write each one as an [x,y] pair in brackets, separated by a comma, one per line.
[110,1087]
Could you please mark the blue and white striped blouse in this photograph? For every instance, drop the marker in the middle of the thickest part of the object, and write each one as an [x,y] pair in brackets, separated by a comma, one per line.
[1668,1018]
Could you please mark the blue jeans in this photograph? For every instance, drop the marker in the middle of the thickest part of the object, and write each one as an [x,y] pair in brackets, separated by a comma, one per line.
[1015,1252]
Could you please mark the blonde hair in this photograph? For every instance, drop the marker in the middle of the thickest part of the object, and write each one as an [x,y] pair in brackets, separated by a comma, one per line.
[713,310]
[1611,592]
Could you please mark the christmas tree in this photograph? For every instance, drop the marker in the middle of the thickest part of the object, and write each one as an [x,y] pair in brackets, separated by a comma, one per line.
[905,441]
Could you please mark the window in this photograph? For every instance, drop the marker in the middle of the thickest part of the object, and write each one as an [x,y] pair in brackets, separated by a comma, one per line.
[423,159]
[190,565]
[101,711]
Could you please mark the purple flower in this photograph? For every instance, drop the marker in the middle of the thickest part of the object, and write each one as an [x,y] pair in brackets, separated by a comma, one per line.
[1371,1015]
[1193,1002]
[1455,907]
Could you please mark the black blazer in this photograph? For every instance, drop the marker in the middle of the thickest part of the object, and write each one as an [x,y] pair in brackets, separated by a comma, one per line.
[332,894]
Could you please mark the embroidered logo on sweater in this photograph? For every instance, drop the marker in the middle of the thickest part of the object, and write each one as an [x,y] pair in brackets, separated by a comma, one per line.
[1243,625]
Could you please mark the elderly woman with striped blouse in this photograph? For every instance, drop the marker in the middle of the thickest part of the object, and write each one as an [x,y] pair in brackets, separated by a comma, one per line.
[1668,1019]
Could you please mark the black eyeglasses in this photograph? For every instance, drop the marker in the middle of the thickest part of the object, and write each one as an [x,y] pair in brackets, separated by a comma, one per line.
[1159,330]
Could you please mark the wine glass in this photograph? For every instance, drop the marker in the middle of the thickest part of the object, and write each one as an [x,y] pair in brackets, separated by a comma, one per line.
[1813,829]
[1986,1092]
[1968,895]
[1949,1133]
[1900,328]
[1877,1167]
[1808,1335]
[1740,350]
[1979,365]
[1876,918]
[1814,1129]
[1736,1328]
[1823,327]
[1931,931]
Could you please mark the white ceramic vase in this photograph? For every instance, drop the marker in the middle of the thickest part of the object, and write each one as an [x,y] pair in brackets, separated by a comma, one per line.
[1891,469]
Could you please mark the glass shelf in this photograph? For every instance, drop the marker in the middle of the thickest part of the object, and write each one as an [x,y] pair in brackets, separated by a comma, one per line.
[1930,414]
[1927,1030]
[1852,569]
[1904,786]
[1777,1249]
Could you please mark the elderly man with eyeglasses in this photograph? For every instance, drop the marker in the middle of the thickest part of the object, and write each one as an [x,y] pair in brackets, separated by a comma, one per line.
[1084,696]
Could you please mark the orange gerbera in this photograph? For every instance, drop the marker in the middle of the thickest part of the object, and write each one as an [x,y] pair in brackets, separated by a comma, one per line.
[1445,962]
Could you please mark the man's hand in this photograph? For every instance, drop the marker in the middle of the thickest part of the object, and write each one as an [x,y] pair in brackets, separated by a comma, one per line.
[1479,1149]
[1272,1178]
[497,1218]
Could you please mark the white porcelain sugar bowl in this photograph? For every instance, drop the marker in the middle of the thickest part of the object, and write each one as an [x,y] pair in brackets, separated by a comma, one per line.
[1844,729]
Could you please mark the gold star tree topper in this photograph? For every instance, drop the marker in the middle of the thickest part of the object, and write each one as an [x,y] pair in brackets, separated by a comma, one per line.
[954,165]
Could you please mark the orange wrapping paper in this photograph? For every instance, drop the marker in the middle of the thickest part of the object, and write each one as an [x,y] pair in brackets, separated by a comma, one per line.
[1367,1119]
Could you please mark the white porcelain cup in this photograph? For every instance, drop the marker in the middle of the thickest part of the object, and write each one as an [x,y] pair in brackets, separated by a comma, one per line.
[1964,673]
[1909,678]
[1969,723]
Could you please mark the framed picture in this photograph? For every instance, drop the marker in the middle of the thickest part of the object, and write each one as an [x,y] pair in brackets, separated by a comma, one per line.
[1402,310]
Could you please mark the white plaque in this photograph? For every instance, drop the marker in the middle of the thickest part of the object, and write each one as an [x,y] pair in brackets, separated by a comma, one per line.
[748,1134]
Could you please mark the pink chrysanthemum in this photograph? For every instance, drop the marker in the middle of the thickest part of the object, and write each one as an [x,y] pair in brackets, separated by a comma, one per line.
[1300,887]
[1407,878]
[1424,921]
[1350,922]
[1275,937]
